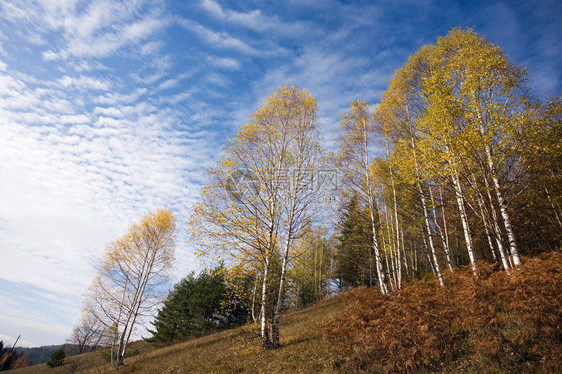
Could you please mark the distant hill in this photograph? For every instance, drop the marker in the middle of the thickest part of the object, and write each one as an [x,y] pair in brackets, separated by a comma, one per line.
[38,355]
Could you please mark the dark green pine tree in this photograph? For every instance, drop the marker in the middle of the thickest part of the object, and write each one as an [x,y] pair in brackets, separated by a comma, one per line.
[57,358]
[355,262]
[196,306]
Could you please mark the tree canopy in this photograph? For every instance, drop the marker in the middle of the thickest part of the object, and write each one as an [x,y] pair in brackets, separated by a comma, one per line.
[197,305]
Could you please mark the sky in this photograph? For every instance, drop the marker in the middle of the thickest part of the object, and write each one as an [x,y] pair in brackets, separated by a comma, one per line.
[111,109]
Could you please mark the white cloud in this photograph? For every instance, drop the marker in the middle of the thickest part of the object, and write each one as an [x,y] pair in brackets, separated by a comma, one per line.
[73,179]
[126,98]
[217,79]
[10,341]
[170,83]
[53,56]
[334,79]
[89,66]
[257,21]
[253,19]
[95,30]
[37,333]
[142,29]
[219,39]
[151,47]
[110,41]
[224,62]
[83,83]
[213,8]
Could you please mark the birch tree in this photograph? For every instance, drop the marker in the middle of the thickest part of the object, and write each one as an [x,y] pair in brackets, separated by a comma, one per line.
[277,149]
[355,161]
[460,108]
[88,335]
[309,271]
[490,101]
[128,285]
[296,117]
[400,109]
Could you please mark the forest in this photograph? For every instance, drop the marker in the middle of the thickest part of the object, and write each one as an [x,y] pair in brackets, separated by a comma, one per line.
[468,174]
[455,170]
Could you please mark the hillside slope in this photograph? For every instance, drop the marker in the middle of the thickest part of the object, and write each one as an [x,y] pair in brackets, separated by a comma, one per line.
[497,324]
[231,351]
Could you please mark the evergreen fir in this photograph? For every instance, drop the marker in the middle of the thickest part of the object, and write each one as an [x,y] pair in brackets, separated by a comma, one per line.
[354,267]
[57,358]
[196,306]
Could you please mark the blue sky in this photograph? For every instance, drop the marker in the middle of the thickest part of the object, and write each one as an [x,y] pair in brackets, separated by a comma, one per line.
[109,110]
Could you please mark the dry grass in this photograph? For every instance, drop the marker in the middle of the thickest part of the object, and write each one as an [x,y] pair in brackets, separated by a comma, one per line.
[84,362]
[496,324]
[233,351]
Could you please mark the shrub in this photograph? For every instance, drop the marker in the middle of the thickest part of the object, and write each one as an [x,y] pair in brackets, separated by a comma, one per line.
[497,323]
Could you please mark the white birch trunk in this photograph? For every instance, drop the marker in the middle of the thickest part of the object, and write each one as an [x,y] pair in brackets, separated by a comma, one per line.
[514,251]
[391,247]
[485,222]
[415,259]
[277,313]
[437,268]
[254,292]
[497,231]
[444,241]
[404,256]
[265,342]
[397,225]
[399,248]
[464,218]
[371,201]
[445,226]
[503,210]
[427,255]
[387,252]
[556,214]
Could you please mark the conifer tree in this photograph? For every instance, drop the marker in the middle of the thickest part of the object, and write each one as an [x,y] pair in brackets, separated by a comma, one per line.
[57,358]
[354,260]
[198,304]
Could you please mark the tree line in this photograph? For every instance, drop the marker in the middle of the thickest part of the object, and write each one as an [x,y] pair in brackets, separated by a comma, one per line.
[469,157]
[458,163]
